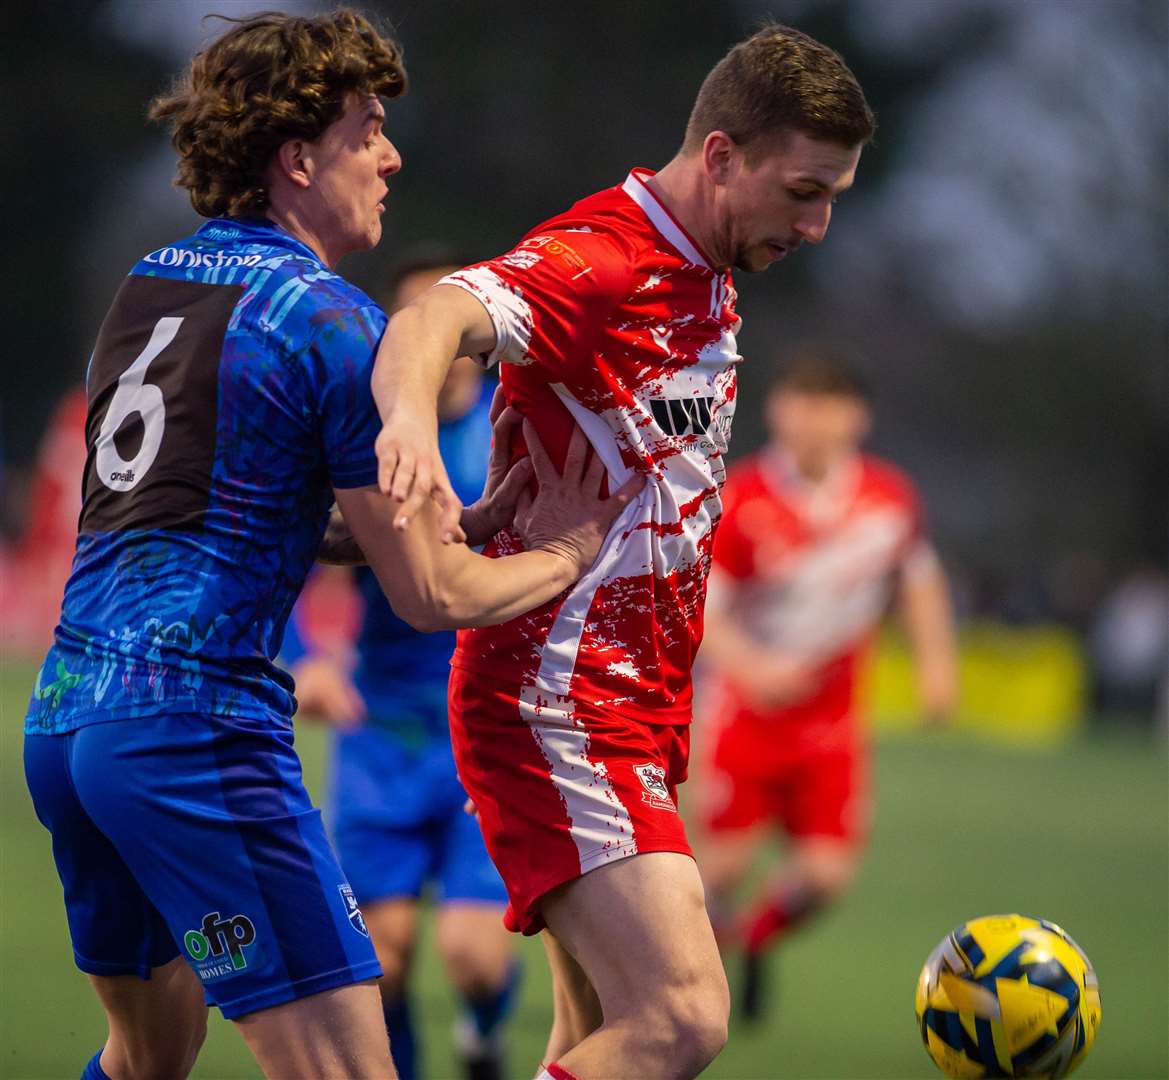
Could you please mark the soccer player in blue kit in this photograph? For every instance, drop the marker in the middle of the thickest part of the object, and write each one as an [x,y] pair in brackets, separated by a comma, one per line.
[395,806]
[229,404]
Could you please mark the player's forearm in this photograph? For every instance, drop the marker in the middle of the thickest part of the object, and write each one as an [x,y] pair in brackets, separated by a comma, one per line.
[928,619]
[486,592]
[412,363]
[435,586]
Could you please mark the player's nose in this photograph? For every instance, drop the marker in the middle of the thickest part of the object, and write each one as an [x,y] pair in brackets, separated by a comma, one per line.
[813,225]
[391,160]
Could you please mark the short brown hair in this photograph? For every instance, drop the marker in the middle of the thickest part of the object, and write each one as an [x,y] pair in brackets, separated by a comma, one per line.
[780,80]
[821,369]
[270,78]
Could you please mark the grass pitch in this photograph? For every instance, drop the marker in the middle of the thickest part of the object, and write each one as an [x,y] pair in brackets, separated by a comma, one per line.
[1079,836]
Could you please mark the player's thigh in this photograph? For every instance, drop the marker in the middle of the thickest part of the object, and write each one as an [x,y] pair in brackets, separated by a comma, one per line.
[158,1024]
[826,864]
[393,927]
[725,857]
[214,822]
[477,950]
[639,929]
[337,1034]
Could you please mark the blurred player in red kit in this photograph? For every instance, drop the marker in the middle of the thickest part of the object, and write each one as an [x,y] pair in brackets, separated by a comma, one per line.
[815,539]
[570,726]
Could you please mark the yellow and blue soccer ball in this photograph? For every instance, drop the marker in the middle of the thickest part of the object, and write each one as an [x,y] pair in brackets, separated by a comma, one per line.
[1006,995]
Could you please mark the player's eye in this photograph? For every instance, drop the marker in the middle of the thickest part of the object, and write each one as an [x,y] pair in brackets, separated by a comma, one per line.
[800,195]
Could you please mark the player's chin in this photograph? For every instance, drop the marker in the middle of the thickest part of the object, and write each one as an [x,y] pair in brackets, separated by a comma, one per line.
[373,234]
[756,259]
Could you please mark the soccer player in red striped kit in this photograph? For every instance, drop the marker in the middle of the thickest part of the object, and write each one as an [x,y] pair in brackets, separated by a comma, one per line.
[571,724]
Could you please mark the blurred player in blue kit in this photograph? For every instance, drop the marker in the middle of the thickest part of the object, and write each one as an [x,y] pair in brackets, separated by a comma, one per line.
[396,805]
[228,407]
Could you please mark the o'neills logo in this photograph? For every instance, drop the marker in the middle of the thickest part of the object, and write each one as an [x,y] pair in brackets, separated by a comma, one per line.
[186,259]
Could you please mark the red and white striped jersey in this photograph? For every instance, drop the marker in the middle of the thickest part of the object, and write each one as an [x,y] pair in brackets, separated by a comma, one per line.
[807,570]
[611,317]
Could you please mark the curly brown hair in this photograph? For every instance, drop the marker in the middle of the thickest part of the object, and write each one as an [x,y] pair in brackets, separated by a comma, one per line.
[270,78]
[780,80]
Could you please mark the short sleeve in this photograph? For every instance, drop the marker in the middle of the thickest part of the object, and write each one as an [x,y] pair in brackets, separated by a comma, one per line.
[550,297]
[344,351]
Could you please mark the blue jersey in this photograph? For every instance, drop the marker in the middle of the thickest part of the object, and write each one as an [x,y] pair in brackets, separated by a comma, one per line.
[401,673]
[228,395]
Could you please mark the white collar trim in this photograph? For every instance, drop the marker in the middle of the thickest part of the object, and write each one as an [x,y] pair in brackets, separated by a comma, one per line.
[635,187]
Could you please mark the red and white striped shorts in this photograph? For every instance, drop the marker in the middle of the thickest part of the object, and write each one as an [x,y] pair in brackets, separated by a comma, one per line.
[562,787]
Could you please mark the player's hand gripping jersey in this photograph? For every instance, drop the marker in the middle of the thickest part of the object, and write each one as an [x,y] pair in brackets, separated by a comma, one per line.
[808,572]
[228,395]
[610,316]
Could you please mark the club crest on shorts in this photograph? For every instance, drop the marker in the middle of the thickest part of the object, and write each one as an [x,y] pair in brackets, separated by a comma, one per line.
[653,779]
[352,910]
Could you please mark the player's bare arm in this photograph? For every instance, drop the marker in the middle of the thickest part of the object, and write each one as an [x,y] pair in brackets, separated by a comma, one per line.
[415,355]
[338,548]
[436,586]
[494,510]
[925,609]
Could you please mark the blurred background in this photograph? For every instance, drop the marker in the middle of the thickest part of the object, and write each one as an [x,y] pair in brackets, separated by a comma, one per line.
[999,273]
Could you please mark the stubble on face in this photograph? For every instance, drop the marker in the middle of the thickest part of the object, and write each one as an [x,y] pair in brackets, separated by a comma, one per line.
[784,197]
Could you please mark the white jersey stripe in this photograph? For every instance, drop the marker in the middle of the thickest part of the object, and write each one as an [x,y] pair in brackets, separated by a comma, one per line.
[599,434]
[598,820]
[559,652]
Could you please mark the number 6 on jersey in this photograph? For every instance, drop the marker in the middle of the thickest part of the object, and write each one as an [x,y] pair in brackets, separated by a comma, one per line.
[153,388]
[135,396]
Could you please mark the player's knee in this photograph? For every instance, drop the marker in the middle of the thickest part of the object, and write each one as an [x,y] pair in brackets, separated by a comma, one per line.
[154,1052]
[694,1021]
[576,1010]
[476,964]
[828,877]
[163,1059]
[472,973]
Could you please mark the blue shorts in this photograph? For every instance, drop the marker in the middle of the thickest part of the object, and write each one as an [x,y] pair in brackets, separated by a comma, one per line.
[180,830]
[397,818]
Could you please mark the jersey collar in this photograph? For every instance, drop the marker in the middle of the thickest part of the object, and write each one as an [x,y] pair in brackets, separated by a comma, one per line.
[820,504]
[638,190]
[255,230]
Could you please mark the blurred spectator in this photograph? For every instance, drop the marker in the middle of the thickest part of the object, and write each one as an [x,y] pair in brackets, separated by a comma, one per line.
[1129,642]
[36,567]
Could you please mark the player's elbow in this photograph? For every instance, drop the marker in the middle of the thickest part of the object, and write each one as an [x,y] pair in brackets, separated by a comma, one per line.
[423,616]
[432,610]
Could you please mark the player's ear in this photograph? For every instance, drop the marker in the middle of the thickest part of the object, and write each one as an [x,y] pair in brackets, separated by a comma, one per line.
[293,163]
[719,151]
